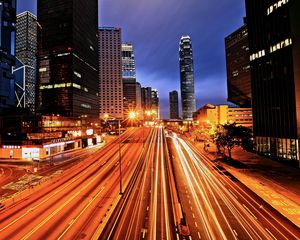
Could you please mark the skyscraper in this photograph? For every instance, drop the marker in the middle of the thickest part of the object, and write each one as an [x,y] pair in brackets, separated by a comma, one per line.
[68,57]
[274,31]
[155,104]
[7,28]
[26,49]
[129,78]
[110,72]
[139,108]
[187,84]
[174,108]
[238,67]
[146,98]
[128,61]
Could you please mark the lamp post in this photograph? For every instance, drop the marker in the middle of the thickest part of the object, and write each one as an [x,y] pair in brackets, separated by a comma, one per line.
[132,116]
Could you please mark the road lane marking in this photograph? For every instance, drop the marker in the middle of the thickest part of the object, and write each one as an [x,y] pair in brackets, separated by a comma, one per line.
[235,233]
[250,211]
[196,224]
[79,215]
[194,215]
[233,194]
[272,235]
[199,236]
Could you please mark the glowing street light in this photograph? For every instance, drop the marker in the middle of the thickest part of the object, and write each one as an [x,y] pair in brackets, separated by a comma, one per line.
[132,115]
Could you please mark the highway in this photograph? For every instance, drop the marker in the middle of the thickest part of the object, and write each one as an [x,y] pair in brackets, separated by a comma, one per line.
[73,205]
[218,206]
[146,211]
[166,181]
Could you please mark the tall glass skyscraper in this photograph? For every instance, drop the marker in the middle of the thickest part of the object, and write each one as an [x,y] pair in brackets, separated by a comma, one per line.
[187,84]
[68,58]
[26,47]
[7,29]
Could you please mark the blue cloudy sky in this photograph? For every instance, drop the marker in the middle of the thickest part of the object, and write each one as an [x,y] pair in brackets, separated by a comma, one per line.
[155,28]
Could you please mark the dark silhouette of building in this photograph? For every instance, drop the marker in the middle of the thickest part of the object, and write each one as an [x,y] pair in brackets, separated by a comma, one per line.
[26,50]
[110,72]
[7,27]
[238,67]
[274,32]
[68,58]
[187,81]
[155,104]
[174,108]
[146,98]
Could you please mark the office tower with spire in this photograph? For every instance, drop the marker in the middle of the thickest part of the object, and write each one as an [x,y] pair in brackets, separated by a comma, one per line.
[187,81]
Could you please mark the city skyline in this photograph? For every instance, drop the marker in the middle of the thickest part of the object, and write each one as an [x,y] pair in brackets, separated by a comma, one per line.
[98,148]
[209,53]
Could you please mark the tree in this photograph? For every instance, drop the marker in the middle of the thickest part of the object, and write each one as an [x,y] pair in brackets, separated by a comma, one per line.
[229,136]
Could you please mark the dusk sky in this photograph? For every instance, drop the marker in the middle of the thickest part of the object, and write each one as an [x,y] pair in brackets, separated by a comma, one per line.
[155,28]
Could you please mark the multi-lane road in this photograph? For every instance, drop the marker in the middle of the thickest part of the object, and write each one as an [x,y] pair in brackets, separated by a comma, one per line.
[73,205]
[146,210]
[218,206]
[165,182]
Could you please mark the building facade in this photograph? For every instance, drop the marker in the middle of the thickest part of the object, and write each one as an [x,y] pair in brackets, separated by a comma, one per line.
[7,60]
[187,81]
[139,107]
[274,32]
[129,79]
[146,98]
[210,116]
[238,67]
[110,72]
[68,58]
[26,50]
[155,104]
[174,107]
[128,61]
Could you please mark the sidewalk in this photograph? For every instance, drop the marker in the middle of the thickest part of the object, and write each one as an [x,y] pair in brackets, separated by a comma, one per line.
[275,182]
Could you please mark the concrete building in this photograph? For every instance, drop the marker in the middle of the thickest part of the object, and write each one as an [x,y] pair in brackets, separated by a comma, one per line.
[7,60]
[174,107]
[238,67]
[187,81]
[26,50]
[110,73]
[274,31]
[210,116]
[68,58]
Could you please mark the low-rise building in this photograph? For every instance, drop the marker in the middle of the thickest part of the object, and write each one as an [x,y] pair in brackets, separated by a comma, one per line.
[38,137]
[210,116]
